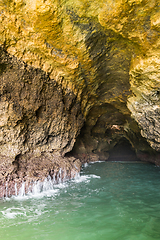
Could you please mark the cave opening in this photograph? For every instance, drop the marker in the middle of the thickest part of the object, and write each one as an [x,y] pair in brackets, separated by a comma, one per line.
[122,151]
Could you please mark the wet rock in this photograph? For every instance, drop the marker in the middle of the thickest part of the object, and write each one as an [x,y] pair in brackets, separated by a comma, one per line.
[29,169]
[37,124]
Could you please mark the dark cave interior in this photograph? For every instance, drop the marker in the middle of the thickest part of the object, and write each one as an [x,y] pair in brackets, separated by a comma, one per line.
[122,151]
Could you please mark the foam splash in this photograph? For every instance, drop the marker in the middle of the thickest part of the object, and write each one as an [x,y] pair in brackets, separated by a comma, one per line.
[49,187]
[85,165]
[13,212]
[26,213]
[38,190]
[85,178]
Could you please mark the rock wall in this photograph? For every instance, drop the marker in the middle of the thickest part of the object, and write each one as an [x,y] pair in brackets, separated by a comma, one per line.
[77,77]
[38,125]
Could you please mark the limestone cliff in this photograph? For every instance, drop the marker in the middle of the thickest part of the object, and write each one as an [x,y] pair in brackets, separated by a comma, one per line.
[77,77]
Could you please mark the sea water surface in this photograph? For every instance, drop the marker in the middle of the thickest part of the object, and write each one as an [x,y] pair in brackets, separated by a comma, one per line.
[108,201]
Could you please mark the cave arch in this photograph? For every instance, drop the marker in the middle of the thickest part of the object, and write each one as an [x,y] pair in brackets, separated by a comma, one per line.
[123,151]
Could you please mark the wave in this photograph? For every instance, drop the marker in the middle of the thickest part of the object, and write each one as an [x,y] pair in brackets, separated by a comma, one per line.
[48,188]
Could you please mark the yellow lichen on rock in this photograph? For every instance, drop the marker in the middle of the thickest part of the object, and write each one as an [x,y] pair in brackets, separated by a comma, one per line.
[97,49]
[134,20]
[145,103]
[77,77]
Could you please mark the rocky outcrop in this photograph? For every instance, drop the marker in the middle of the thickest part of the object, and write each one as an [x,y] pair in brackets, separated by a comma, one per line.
[77,78]
[38,125]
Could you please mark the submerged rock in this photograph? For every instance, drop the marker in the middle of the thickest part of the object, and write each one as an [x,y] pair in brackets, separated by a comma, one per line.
[76,78]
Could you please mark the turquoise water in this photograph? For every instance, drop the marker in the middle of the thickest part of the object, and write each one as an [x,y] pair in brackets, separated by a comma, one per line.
[108,201]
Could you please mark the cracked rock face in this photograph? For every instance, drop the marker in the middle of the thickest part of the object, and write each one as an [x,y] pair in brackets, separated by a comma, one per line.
[145,104]
[77,78]
[37,122]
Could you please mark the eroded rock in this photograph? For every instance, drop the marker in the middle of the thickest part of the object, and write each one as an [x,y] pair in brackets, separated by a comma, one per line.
[80,77]
[37,122]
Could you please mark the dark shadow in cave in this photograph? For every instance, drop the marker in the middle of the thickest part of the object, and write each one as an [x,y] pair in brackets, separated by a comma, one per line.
[122,151]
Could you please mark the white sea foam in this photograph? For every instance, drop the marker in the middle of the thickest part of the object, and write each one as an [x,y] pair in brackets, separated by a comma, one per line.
[97,162]
[22,190]
[15,187]
[13,212]
[94,176]
[28,213]
[37,190]
[81,179]
[85,178]
[48,187]
[85,165]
